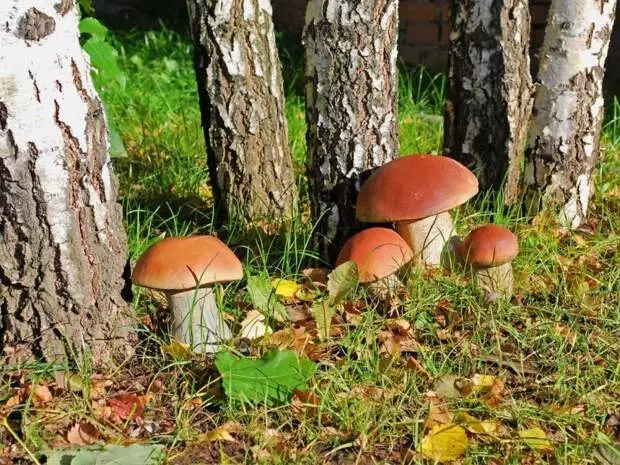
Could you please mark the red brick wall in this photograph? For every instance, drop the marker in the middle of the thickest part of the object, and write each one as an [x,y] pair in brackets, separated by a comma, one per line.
[425,27]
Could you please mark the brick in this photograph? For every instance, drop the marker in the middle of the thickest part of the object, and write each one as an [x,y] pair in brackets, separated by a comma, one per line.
[422,33]
[434,58]
[419,11]
[410,54]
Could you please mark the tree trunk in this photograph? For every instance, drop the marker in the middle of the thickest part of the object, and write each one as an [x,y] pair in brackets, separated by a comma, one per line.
[351,107]
[242,102]
[489,95]
[62,245]
[568,112]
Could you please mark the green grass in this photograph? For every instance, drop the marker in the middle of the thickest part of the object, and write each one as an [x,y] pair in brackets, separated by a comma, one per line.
[561,326]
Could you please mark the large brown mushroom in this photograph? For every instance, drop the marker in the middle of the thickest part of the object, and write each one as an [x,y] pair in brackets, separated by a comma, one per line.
[416,192]
[379,254]
[184,268]
[488,251]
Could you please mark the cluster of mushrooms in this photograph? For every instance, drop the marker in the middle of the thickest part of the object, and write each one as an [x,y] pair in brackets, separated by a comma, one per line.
[415,193]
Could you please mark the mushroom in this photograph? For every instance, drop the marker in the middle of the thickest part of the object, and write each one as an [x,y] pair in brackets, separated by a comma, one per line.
[488,250]
[416,192]
[184,268]
[378,253]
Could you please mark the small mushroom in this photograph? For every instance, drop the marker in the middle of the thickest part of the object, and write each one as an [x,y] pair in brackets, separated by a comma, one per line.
[184,268]
[378,253]
[488,250]
[416,192]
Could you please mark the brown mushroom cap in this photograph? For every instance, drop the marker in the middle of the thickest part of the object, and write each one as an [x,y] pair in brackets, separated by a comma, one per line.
[489,246]
[377,252]
[182,263]
[414,187]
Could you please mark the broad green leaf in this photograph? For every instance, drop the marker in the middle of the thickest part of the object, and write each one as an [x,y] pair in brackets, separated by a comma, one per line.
[136,454]
[536,438]
[103,57]
[444,443]
[264,298]
[341,281]
[285,287]
[87,7]
[270,379]
[323,313]
[117,148]
[93,27]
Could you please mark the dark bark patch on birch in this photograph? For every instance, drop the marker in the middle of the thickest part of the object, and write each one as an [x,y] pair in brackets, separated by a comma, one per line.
[35,25]
[4,114]
[63,7]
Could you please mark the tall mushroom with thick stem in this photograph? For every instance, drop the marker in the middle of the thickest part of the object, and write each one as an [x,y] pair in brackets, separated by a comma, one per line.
[416,192]
[379,254]
[488,251]
[184,268]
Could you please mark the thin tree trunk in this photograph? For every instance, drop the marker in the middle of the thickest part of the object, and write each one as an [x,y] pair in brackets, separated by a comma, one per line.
[351,106]
[568,112]
[242,102]
[489,95]
[62,245]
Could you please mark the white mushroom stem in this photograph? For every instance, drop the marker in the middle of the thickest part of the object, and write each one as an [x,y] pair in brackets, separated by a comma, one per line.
[196,319]
[497,280]
[385,286]
[428,236]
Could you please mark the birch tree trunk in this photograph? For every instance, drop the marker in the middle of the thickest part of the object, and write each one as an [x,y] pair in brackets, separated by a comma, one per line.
[351,107]
[62,244]
[489,95]
[568,112]
[242,103]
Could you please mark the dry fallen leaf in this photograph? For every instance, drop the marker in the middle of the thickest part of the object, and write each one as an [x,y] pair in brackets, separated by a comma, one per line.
[415,366]
[127,406]
[221,433]
[536,438]
[444,443]
[68,381]
[438,413]
[397,339]
[82,434]
[253,325]
[316,275]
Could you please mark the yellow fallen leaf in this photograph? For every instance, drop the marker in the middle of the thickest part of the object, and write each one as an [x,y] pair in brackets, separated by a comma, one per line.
[444,443]
[482,381]
[536,438]
[475,426]
[221,433]
[285,287]
[177,350]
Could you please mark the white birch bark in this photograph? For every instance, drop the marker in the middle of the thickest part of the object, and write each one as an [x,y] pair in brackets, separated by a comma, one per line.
[242,103]
[62,243]
[568,110]
[489,95]
[351,106]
